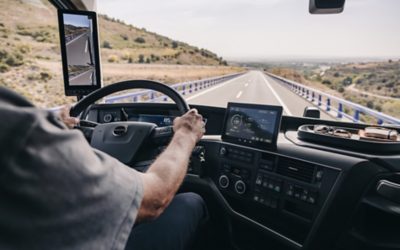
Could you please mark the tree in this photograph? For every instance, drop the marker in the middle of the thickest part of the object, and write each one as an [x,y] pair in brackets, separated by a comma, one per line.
[174,44]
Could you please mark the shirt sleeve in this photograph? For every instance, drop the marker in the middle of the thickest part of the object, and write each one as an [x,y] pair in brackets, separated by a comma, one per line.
[62,194]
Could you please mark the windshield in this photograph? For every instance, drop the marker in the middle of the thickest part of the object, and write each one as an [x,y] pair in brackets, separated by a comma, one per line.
[215,52]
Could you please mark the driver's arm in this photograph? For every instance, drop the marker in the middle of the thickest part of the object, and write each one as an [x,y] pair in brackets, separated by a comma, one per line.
[165,175]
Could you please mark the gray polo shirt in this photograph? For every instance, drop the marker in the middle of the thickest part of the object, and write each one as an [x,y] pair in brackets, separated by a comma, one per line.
[56,192]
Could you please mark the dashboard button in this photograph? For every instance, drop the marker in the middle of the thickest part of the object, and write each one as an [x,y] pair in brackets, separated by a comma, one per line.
[312,198]
[256,198]
[265,183]
[259,180]
[223,151]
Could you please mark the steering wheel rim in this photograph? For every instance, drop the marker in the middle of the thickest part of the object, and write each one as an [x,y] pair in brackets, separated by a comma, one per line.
[85,102]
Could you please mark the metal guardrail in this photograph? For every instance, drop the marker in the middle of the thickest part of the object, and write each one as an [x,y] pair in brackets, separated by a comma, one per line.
[183,88]
[324,101]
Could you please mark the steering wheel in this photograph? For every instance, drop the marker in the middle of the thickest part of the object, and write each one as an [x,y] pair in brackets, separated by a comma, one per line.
[123,139]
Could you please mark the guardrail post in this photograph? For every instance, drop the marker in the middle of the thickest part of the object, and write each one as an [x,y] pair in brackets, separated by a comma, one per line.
[328,104]
[190,88]
[183,89]
[380,122]
[308,94]
[319,100]
[312,96]
[356,115]
[340,111]
[201,85]
[135,98]
[151,95]
[165,98]
[195,86]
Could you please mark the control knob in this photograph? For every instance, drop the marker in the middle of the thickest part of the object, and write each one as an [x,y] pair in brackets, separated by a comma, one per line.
[223,181]
[240,187]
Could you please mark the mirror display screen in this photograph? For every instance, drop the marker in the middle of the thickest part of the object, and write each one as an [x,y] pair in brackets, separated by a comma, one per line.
[79,44]
[250,124]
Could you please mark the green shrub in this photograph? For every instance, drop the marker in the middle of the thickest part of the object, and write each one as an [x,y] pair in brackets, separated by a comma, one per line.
[147,60]
[124,37]
[326,82]
[112,59]
[14,60]
[140,40]
[4,68]
[3,55]
[174,44]
[141,58]
[106,45]
[45,76]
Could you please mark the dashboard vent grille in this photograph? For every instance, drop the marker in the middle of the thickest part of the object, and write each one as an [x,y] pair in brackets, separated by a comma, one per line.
[296,169]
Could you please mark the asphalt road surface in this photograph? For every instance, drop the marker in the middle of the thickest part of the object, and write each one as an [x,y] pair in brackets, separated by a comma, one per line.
[83,79]
[253,87]
[78,50]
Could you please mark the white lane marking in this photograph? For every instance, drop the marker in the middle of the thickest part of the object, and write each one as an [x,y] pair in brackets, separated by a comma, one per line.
[213,88]
[285,108]
[246,85]
[239,94]
[86,46]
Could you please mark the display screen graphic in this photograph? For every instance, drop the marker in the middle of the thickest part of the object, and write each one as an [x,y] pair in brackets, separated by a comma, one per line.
[79,44]
[252,124]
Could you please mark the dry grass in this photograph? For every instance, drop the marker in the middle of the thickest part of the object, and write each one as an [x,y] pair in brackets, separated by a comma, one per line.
[163,73]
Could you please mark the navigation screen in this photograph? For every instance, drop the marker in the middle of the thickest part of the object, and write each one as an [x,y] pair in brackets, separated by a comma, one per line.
[80,51]
[250,124]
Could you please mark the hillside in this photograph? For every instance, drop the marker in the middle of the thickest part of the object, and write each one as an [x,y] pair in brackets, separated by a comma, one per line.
[30,61]
[372,84]
[126,43]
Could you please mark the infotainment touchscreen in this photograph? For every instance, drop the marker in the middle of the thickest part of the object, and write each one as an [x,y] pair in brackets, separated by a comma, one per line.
[252,125]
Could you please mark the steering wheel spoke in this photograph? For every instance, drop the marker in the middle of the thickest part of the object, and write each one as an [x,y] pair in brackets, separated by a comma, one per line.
[162,135]
[123,139]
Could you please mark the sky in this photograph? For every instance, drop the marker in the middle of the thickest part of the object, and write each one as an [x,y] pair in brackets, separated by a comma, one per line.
[76,20]
[269,29]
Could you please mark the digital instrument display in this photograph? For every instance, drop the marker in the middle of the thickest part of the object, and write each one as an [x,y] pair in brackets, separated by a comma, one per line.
[80,51]
[159,120]
[252,125]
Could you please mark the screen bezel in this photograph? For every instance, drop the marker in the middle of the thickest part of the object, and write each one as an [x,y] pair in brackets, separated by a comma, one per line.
[253,143]
[79,90]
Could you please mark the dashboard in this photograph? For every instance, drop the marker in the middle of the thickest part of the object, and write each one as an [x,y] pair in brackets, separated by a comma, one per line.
[305,195]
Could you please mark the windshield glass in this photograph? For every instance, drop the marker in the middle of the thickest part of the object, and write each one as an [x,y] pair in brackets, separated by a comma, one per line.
[269,52]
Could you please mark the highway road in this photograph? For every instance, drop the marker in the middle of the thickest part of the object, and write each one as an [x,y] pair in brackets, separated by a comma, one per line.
[84,79]
[78,50]
[253,87]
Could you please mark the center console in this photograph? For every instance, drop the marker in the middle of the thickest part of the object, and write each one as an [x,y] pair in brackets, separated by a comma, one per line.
[283,194]
[270,188]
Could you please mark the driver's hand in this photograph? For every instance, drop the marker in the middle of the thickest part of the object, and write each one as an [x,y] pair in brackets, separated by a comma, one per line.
[69,121]
[191,123]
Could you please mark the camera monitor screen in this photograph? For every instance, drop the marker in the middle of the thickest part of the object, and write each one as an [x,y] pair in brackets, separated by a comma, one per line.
[252,125]
[80,51]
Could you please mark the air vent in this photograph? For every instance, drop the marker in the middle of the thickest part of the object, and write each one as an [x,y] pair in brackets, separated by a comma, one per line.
[296,169]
